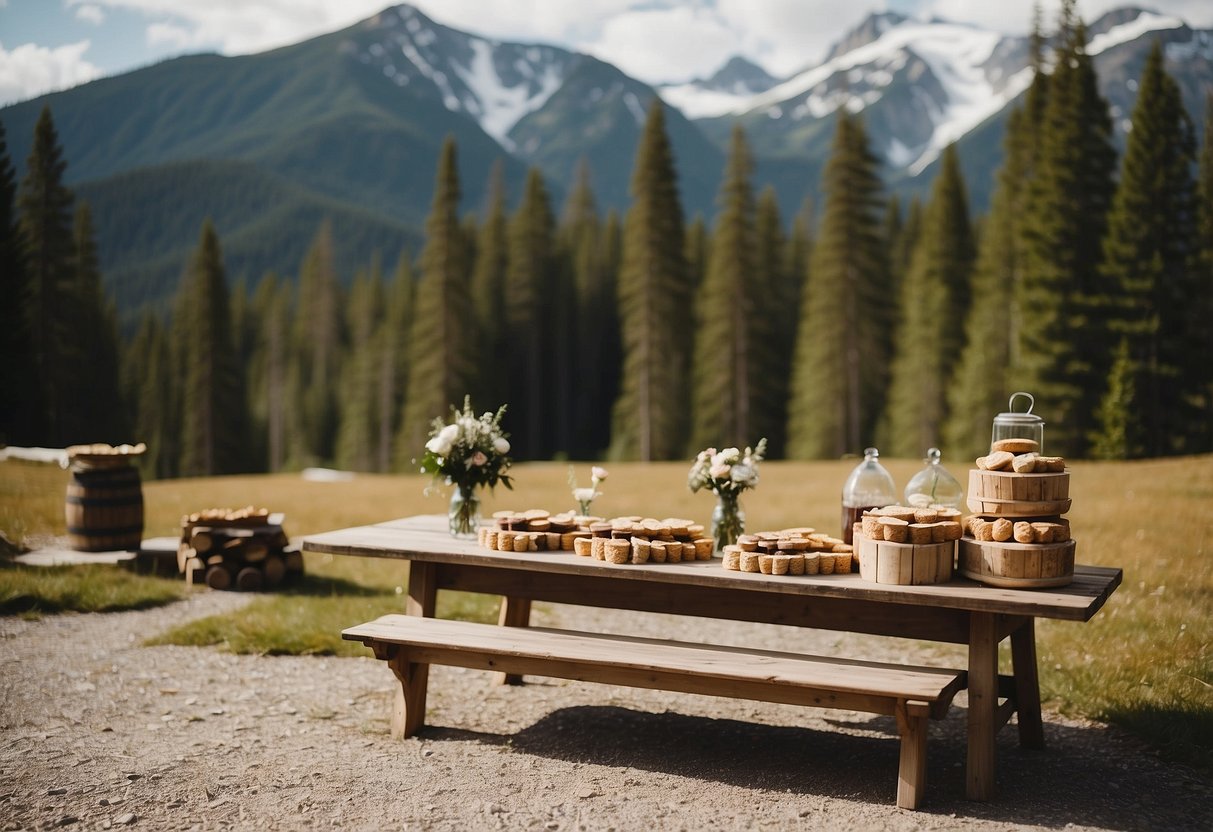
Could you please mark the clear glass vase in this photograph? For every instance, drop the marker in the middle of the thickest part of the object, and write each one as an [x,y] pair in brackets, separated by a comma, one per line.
[463,514]
[728,520]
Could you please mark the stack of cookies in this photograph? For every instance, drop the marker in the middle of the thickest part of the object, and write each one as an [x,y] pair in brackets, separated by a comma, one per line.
[1017,536]
[619,540]
[797,551]
[903,545]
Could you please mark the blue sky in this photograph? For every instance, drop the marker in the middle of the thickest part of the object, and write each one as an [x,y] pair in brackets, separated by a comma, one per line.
[54,44]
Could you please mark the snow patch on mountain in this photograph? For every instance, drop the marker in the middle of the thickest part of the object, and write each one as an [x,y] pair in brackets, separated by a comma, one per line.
[1143,24]
[696,102]
[499,106]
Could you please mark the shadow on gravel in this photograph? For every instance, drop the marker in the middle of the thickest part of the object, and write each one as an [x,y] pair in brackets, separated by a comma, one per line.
[1072,781]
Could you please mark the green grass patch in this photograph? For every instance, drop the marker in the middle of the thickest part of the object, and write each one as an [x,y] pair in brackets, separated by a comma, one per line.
[308,619]
[34,591]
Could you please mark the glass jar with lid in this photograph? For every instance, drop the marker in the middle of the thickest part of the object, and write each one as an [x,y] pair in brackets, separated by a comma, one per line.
[1019,424]
[933,485]
[869,486]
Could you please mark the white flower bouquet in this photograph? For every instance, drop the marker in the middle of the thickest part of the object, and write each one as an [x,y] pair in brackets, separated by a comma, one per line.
[468,452]
[726,472]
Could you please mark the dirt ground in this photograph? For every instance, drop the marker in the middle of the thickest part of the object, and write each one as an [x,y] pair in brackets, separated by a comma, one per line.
[97,731]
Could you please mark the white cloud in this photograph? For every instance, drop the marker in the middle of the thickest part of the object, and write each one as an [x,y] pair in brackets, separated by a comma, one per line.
[30,70]
[171,35]
[665,44]
[90,13]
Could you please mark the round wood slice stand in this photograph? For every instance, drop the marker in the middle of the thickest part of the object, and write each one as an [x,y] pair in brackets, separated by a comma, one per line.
[885,562]
[1016,565]
[1009,494]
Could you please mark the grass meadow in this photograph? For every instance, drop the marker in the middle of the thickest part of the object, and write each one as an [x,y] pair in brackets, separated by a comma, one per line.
[1144,662]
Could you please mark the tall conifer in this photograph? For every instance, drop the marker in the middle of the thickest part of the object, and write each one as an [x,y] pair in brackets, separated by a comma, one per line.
[152,390]
[15,342]
[1201,308]
[698,245]
[778,302]
[1150,253]
[270,307]
[595,346]
[488,293]
[650,415]
[394,359]
[93,395]
[529,281]
[934,301]
[1063,354]
[837,380]
[727,362]
[443,332]
[357,431]
[211,425]
[45,206]
[317,346]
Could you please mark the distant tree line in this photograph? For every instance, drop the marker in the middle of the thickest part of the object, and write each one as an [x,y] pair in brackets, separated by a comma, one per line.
[1089,283]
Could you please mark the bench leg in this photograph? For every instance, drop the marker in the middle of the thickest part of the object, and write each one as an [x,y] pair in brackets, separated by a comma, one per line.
[515,612]
[912,768]
[1027,685]
[408,707]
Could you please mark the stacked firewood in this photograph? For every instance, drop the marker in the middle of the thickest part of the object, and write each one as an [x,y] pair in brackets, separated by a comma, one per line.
[244,549]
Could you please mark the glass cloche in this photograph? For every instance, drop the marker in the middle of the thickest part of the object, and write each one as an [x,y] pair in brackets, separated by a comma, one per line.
[933,485]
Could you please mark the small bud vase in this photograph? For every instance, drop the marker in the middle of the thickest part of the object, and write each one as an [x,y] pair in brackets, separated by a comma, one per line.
[728,520]
[463,513]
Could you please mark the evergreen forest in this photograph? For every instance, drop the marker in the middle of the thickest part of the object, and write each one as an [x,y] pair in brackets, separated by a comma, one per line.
[650,335]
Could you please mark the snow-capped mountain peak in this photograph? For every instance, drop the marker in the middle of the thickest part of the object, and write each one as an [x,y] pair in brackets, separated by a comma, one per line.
[495,83]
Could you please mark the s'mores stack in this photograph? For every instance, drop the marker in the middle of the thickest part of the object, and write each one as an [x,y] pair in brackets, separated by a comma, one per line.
[797,551]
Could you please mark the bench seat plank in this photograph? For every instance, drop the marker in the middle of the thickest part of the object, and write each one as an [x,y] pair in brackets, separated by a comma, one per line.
[488,647]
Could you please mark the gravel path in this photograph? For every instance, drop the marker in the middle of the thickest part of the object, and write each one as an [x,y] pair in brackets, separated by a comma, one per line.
[97,731]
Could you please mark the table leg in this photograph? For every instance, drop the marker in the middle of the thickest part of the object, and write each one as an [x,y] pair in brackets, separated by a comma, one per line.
[1027,685]
[408,707]
[515,612]
[983,702]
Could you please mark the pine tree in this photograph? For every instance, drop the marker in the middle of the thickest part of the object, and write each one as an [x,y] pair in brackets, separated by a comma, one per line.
[93,392]
[528,283]
[1063,352]
[394,359]
[799,248]
[45,206]
[15,378]
[211,429]
[1150,254]
[1200,370]
[152,391]
[983,380]
[595,345]
[837,381]
[271,306]
[317,344]
[934,300]
[778,301]
[443,333]
[650,416]
[488,293]
[1120,433]
[357,431]
[727,362]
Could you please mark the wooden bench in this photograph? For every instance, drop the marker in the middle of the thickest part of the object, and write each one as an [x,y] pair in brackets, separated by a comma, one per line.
[911,694]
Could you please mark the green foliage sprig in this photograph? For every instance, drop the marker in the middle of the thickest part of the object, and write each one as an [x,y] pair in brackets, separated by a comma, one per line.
[469,450]
[727,472]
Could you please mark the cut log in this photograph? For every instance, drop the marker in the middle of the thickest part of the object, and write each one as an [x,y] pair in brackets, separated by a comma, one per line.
[249,579]
[275,569]
[218,577]
[202,541]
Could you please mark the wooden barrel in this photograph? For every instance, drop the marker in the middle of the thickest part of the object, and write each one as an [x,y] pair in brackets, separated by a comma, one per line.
[104,508]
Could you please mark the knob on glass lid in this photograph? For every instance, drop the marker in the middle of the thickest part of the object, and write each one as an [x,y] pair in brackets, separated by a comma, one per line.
[1019,424]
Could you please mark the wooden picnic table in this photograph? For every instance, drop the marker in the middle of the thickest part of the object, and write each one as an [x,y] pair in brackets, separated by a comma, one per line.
[959,612]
